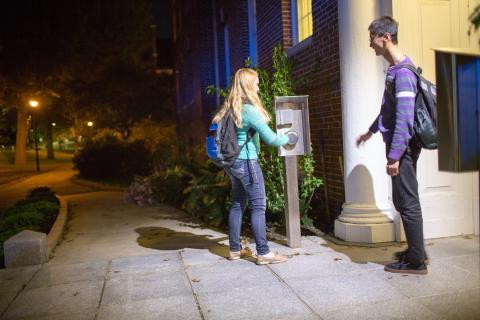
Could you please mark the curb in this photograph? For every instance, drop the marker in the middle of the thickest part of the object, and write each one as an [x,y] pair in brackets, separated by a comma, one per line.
[96,185]
[55,234]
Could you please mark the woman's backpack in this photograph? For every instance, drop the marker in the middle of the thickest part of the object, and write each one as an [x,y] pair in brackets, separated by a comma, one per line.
[222,142]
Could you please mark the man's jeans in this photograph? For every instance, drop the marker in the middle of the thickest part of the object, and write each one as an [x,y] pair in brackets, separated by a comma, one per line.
[407,202]
[247,184]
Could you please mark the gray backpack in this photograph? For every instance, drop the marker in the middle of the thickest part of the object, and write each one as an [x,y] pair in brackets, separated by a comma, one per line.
[425,114]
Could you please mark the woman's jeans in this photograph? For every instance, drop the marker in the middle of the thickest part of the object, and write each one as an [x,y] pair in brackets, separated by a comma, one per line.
[247,184]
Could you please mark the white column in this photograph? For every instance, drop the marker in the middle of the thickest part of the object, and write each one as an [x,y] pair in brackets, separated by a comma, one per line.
[367,213]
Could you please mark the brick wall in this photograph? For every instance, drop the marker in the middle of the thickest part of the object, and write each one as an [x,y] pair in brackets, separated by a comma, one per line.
[194,68]
[270,29]
[317,69]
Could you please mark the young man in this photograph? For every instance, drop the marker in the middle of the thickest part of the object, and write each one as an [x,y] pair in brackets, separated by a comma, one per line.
[395,122]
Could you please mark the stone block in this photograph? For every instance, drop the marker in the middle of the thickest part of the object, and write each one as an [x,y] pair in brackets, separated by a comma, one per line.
[25,248]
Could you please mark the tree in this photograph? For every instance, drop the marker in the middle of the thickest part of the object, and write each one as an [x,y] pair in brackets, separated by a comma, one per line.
[54,49]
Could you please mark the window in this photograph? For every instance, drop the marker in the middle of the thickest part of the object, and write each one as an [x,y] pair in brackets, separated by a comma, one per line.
[252,31]
[302,22]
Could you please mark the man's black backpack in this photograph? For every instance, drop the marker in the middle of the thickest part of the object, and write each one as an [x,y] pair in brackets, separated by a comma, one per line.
[425,116]
[222,142]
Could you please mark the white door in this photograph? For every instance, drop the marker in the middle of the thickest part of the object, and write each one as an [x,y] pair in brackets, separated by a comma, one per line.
[449,200]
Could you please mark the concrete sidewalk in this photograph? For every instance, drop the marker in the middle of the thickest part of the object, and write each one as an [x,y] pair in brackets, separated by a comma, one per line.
[120,261]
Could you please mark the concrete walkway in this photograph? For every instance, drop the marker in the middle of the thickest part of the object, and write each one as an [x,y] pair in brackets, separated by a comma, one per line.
[120,261]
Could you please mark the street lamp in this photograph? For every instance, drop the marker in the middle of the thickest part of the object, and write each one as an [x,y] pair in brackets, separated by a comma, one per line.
[34,104]
[90,123]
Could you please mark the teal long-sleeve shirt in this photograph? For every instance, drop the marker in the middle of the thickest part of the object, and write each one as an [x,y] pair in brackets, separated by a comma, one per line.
[252,118]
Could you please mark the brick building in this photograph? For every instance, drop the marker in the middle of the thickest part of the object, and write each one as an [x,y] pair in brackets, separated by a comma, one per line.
[326,40]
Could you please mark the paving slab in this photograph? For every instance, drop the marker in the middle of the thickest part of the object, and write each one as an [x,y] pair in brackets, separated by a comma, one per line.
[402,309]
[88,314]
[177,307]
[314,266]
[202,256]
[442,277]
[274,301]
[335,292]
[452,247]
[12,281]
[167,262]
[64,298]
[229,276]
[464,305]
[124,288]
[471,263]
[50,275]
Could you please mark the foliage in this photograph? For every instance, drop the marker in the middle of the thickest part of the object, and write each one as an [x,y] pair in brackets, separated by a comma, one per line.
[201,191]
[281,84]
[140,192]
[37,212]
[109,158]
[168,185]
[207,194]
[160,139]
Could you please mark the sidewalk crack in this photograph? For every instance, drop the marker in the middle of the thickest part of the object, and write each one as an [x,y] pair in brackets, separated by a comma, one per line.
[20,291]
[105,278]
[191,287]
[293,292]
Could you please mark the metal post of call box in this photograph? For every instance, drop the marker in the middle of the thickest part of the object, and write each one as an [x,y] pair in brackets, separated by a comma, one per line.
[291,114]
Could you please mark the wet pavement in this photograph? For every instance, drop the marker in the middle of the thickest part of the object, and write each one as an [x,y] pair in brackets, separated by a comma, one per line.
[121,261]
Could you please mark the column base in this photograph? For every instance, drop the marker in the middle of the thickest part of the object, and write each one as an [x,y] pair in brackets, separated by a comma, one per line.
[366,233]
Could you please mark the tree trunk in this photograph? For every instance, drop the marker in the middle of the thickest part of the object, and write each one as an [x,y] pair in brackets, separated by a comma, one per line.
[21,141]
[49,138]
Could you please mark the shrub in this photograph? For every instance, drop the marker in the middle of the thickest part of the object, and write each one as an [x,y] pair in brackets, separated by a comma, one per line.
[167,186]
[112,159]
[36,212]
[140,192]
[208,194]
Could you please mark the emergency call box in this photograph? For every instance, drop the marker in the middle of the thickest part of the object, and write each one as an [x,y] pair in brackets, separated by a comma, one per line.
[291,115]
[458,89]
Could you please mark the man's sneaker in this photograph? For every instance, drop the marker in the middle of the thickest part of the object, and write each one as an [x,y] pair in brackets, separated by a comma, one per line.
[243,253]
[267,259]
[403,266]
[399,255]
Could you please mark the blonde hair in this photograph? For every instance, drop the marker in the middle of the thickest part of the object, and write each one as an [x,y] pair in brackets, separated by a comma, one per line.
[242,91]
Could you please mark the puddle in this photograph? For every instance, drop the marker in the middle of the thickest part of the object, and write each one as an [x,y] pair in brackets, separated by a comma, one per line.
[167,239]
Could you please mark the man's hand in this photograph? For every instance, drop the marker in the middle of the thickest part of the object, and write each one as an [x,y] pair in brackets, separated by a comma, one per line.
[364,137]
[393,167]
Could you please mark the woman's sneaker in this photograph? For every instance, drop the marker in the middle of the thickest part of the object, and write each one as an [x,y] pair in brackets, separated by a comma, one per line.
[270,258]
[243,253]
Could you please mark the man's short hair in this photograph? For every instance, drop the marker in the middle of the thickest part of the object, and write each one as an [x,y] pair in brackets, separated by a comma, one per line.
[384,25]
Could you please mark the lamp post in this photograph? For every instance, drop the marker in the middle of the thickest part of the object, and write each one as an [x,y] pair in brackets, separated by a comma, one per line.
[34,104]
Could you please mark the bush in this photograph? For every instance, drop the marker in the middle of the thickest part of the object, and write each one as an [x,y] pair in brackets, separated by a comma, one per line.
[37,212]
[140,192]
[207,195]
[112,159]
[167,186]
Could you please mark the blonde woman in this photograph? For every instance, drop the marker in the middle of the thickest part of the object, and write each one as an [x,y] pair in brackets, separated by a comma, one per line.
[244,105]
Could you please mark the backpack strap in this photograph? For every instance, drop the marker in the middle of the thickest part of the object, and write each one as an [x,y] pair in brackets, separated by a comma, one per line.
[250,135]
[412,68]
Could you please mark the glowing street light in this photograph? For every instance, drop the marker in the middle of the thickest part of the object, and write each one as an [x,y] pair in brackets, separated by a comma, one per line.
[53,124]
[34,104]
[90,123]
